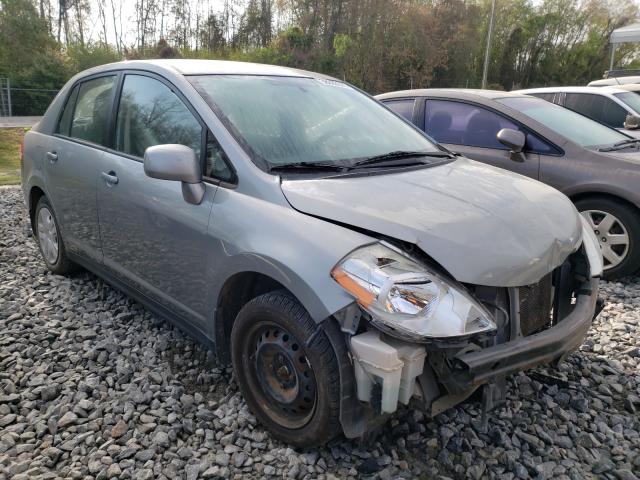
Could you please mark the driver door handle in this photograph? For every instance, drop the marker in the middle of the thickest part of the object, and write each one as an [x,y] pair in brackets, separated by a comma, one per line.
[52,156]
[110,177]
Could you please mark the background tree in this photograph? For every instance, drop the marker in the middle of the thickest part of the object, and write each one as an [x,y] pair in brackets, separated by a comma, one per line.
[378,45]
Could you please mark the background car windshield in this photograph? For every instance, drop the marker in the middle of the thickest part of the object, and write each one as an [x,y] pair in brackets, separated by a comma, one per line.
[630,98]
[571,125]
[288,120]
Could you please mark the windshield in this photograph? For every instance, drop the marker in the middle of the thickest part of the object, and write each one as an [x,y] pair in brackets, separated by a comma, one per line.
[631,99]
[571,125]
[288,120]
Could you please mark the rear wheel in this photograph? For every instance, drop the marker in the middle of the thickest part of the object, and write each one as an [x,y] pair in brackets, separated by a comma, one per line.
[617,228]
[287,370]
[50,240]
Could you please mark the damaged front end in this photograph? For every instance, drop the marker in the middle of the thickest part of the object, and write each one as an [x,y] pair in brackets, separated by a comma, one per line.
[417,337]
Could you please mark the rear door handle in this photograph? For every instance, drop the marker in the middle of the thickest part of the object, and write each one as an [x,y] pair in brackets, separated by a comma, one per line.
[52,156]
[111,178]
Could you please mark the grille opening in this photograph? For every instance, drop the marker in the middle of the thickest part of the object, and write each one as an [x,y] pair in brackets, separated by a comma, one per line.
[536,301]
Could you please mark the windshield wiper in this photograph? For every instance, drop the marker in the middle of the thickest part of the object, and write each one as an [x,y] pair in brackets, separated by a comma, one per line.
[620,145]
[307,166]
[400,155]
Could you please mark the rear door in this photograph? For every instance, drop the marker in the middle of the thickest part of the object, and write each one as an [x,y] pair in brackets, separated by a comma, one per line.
[74,160]
[151,237]
[471,130]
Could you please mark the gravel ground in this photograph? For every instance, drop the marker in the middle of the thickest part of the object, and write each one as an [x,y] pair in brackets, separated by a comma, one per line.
[94,386]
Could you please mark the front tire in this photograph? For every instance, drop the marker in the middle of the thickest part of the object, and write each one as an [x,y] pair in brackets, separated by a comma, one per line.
[287,370]
[617,227]
[49,239]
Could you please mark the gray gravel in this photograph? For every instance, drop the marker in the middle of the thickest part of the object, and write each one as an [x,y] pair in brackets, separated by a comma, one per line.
[94,386]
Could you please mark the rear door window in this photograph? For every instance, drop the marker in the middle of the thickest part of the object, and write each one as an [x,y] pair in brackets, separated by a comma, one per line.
[403,107]
[151,114]
[91,113]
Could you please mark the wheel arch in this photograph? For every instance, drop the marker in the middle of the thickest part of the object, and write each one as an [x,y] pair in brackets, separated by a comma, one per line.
[236,291]
[35,193]
[576,197]
[243,285]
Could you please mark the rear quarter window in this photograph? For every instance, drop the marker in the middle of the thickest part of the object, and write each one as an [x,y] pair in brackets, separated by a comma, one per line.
[91,112]
[64,124]
[403,107]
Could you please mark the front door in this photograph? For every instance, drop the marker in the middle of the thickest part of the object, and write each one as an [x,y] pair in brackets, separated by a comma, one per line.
[471,130]
[151,237]
[73,162]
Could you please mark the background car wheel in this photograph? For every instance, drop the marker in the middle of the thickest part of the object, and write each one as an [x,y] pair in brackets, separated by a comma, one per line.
[50,240]
[617,227]
[287,370]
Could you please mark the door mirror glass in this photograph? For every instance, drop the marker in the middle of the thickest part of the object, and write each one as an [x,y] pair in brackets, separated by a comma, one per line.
[632,122]
[178,163]
[512,139]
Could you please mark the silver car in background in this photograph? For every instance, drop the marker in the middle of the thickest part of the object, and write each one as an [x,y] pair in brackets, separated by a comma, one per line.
[341,261]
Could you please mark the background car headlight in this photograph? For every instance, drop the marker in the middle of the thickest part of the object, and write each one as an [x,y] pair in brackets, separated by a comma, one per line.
[407,297]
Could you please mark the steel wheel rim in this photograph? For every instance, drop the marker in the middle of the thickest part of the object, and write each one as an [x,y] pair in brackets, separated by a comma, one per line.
[612,236]
[281,375]
[48,235]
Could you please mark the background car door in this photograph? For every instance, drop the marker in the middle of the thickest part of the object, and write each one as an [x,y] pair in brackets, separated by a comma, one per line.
[74,161]
[471,130]
[151,237]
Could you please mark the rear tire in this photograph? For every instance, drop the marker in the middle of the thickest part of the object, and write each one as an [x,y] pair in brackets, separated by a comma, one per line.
[287,370]
[50,240]
[617,227]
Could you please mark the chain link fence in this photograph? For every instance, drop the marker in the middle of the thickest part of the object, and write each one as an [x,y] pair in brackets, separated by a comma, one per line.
[18,102]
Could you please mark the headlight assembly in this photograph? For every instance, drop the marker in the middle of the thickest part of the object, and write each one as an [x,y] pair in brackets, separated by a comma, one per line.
[407,298]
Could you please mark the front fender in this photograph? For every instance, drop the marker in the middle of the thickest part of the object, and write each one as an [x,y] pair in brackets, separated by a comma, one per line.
[595,188]
[297,250]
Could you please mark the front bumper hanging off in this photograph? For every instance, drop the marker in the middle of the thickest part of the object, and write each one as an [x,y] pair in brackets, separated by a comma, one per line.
[475,368]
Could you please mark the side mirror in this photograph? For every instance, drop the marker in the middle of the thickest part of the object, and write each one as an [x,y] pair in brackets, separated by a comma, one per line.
[178,163]
[512,139]
[632,122]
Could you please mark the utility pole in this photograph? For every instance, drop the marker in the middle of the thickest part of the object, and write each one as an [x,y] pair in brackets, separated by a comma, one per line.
[485,70]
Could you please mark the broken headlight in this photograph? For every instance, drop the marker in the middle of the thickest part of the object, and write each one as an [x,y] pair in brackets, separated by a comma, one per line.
[407,297]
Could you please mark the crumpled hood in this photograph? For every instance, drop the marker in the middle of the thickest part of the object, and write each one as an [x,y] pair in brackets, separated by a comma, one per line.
[485,225]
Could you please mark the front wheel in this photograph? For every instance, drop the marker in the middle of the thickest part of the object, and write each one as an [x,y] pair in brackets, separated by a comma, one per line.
[287,370]
[617,227]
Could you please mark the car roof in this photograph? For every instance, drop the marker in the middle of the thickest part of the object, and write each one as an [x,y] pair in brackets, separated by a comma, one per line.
[594,90]
[630,87]
[615,81]
[463,93]
[205,67]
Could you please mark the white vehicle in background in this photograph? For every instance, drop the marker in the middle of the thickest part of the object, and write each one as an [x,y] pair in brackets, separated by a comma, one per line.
[614,81]
[617,107]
